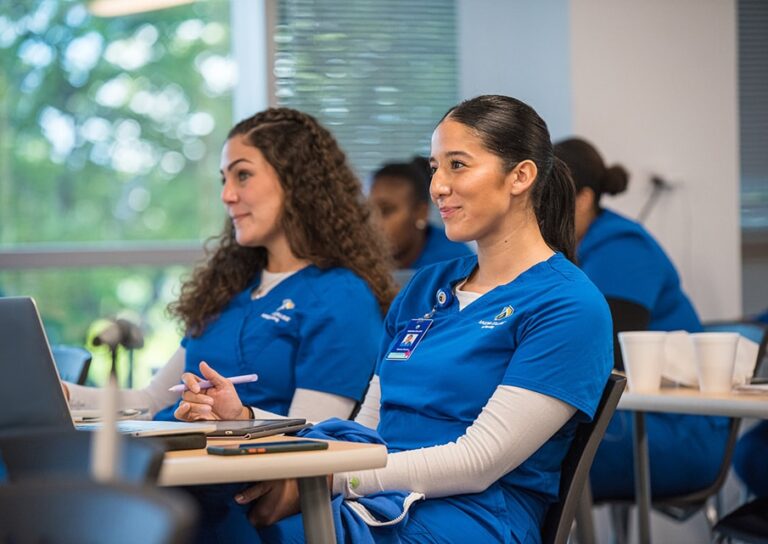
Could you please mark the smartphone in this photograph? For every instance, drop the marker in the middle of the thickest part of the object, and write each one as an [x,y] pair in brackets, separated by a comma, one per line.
[268,447]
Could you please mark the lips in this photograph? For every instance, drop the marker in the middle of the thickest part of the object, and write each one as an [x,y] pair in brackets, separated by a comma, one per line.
[237,217]
[448,211]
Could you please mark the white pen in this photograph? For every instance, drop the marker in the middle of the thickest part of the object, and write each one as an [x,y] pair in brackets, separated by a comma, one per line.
[205,384]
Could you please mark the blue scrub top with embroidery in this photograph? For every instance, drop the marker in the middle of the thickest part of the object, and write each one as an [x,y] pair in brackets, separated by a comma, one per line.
[625,262]
[548,331]
[438,248]
[317,329]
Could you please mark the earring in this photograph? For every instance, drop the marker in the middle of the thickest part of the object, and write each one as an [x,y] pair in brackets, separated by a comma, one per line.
[421,224]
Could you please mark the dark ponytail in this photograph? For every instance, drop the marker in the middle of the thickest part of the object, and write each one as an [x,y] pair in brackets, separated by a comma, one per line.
[514,132]
[554,202]
[588,169]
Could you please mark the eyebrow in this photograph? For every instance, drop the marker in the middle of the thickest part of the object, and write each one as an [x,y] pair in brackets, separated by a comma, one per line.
[452,154]
[235,163]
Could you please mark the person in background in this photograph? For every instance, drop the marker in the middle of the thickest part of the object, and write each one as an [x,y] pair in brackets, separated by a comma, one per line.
[749,455]
[749,459]
[513,349]
[400,194]
[643,290]
[294,289]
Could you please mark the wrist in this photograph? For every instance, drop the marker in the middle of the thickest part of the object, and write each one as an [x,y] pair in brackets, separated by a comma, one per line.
[246,413]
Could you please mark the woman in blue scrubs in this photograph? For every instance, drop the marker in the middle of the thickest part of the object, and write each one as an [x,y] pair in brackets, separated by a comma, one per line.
[643,291]
[400,193]
[488,362]
[295,287]
[749,456]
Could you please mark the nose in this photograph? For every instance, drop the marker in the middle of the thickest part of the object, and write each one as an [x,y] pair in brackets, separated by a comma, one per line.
[228,193]
[438,187]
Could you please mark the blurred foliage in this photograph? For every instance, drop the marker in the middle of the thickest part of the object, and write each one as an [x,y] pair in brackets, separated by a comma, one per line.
[110,130]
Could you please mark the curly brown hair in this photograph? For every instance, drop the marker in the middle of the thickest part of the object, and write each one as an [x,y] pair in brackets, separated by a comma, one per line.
[325,218]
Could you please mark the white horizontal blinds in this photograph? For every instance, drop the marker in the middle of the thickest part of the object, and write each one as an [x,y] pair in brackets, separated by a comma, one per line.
[379,74]
[753,112]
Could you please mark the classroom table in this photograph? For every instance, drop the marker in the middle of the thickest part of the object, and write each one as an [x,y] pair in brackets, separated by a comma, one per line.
[193,467]
[681,400]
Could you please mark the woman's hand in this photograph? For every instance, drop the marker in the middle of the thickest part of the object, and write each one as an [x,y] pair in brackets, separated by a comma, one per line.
[272,501]
[220,401]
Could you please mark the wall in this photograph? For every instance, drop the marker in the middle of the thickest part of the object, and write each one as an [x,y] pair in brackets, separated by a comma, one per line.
[520,49]
[654,86]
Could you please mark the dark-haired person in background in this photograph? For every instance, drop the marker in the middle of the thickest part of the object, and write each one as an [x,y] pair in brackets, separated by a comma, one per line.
[643,291]
[400,193]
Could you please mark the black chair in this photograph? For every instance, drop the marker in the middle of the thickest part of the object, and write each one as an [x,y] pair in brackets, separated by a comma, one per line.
[575,469]
[748,523]
[67,454]
[74,512]
[72,363]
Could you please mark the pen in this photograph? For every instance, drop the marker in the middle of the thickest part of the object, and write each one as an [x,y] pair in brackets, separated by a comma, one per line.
[205,384]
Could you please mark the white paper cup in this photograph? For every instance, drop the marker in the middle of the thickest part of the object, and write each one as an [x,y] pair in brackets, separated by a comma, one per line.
[715,359]
[643,354]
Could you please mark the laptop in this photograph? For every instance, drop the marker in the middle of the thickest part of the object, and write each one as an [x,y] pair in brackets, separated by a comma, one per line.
[32,393]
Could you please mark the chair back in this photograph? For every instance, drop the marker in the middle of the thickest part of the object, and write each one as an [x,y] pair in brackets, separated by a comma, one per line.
[72,362]
[577,462]
[70,512]
[67,454]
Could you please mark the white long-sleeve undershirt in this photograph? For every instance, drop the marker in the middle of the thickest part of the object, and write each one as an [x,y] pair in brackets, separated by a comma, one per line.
[514,423]
[511,427]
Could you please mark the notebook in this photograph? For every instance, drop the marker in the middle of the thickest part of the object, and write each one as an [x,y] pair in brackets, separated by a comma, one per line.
[32,393]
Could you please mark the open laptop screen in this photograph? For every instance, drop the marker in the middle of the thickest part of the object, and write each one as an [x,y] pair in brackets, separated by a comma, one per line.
[32,395]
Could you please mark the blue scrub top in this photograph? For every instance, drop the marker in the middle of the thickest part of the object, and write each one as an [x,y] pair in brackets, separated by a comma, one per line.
[548,331]
[439,248]
[625,262]
[317,329]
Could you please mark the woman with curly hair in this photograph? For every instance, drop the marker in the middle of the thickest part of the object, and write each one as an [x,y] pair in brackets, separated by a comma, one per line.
[293,291]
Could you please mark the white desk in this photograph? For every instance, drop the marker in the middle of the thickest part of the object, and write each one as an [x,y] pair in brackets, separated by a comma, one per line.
[681,401]
[192,467]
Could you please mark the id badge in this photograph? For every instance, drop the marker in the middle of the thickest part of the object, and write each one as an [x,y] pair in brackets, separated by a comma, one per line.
[409,339]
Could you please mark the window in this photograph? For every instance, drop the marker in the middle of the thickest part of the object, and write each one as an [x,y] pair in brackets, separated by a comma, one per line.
[110,130]
[379,74]
[753,113]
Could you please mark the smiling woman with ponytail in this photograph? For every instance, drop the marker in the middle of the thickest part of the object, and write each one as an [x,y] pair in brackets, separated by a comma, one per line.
[488,362]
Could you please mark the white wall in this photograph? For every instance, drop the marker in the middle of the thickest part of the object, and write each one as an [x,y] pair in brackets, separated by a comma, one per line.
[518,48]
[655,87]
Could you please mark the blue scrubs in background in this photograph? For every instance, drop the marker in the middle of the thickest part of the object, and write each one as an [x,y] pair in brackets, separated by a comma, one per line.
[439,248]
[625,262]
[749,459]
[317,329]
[548,331]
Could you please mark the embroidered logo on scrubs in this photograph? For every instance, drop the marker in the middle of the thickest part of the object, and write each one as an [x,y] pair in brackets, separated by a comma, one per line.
[499,319]
[505,313]
[278,314]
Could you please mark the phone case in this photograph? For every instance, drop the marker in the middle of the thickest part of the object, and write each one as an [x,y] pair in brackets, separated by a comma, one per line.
[268,447]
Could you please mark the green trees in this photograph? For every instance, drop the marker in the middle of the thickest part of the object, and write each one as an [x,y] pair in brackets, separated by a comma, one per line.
[110,131]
